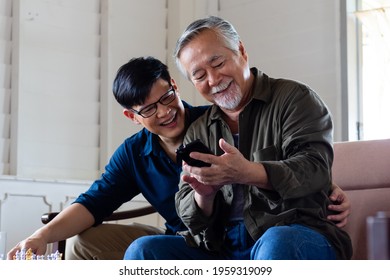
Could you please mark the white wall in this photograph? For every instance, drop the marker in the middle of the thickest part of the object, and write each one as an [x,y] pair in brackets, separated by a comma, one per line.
[289,39]
[293,39]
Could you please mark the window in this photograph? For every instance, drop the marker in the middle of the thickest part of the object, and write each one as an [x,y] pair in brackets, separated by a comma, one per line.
[374,68]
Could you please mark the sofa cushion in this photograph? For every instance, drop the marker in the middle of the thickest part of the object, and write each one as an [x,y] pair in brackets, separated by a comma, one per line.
[362,170]
[362,164]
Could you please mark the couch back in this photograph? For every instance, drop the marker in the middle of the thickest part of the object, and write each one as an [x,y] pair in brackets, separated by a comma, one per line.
[362,170]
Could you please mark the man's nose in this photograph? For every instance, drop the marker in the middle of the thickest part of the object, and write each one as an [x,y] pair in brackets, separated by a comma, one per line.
[214,78]
[163,110]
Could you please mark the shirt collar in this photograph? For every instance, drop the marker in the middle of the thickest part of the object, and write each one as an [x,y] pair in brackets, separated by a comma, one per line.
[261,89]
[150,143]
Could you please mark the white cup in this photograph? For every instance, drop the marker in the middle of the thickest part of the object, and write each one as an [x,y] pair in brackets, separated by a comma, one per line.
[3,242]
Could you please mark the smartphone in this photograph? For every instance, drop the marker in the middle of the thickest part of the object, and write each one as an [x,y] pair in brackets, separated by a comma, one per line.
[183,152]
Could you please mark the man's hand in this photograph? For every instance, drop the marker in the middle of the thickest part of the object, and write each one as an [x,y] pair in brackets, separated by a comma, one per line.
[206,181]
[340,204]
[36,244]
[204,194]
[229,168]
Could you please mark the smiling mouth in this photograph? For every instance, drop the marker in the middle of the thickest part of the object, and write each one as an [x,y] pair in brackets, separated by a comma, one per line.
[220,88]
[170,121]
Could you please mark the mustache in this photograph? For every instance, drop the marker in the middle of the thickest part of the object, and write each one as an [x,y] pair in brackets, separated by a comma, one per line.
[222,86]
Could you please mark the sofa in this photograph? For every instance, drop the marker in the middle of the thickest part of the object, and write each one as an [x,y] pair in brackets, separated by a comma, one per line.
[362,170]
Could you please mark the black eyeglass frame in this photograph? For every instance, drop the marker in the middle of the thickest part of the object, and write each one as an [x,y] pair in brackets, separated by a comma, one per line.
[154,104]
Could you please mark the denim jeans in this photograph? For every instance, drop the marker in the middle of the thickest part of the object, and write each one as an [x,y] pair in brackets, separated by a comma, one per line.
[291,242]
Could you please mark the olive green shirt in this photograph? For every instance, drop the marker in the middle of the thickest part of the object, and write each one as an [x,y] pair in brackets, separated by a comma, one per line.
[287,128]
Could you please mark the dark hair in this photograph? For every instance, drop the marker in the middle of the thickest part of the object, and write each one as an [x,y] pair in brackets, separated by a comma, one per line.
[135,79]
[221,27]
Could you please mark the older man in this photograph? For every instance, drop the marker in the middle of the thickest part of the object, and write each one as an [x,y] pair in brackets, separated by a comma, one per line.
[265,195]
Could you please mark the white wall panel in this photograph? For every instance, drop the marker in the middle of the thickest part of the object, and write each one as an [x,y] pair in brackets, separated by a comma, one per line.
[60,62]
[5,77]
[56,160]
[5,101]
[22,203]
[57,15]
[5,7]
[68,40]
[4,127]
[5,24]
[5,122]
[65,134]
[74,85]
[5,83]
[58,96]
[5,51]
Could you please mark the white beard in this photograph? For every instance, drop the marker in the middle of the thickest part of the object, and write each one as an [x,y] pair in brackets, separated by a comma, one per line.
[228,101]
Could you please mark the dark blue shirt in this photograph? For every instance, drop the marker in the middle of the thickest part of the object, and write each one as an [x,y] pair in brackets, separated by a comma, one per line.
[139,165]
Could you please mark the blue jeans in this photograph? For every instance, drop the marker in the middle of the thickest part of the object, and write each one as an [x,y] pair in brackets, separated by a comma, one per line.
[292,242]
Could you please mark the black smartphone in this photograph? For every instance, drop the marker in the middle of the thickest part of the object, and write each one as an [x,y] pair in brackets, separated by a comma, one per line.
[183,152]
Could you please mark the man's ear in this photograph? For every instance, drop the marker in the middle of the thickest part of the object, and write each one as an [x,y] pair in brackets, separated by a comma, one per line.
[131,115]
[242,50]
[174,85]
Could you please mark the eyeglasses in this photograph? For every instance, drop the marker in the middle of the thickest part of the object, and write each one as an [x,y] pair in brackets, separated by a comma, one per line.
[151,109]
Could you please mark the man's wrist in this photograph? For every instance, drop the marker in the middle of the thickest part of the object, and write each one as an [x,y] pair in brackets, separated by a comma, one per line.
[205,203]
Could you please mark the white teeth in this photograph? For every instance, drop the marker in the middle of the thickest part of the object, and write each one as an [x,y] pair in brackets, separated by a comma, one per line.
[169,121]
[220,87]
